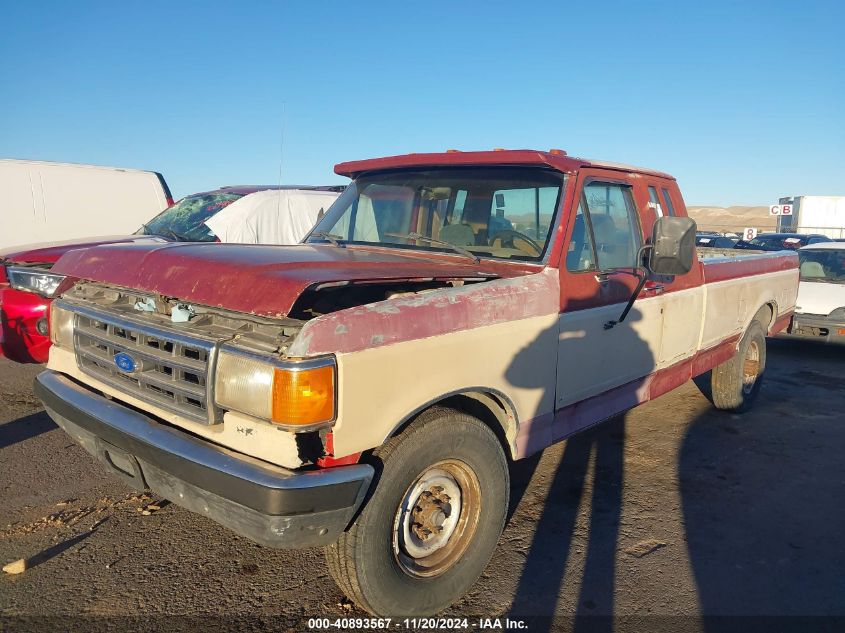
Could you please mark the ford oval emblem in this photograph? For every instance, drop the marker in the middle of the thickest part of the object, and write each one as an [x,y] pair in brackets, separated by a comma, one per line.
[125,362]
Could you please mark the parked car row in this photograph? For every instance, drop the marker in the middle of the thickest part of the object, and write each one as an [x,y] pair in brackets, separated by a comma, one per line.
[242,214]
[707,239]
[763,242]
[781,241]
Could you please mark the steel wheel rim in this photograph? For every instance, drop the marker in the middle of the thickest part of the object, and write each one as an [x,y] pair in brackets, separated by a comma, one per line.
[436,519]
[750,367]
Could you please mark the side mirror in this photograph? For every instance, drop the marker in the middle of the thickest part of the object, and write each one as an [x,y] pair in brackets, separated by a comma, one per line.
[672,246]
[670,253]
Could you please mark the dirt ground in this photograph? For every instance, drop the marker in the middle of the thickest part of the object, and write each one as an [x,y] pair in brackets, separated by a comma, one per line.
[673,517]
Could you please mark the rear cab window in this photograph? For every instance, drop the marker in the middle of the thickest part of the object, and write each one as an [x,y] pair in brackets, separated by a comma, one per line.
[654,201]
[670,208]
[527,211]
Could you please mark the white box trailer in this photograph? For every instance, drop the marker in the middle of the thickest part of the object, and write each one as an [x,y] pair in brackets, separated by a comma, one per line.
[814,214]
[42,201]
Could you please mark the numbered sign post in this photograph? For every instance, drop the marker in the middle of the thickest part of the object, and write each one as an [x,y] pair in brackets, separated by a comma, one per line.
[749,233]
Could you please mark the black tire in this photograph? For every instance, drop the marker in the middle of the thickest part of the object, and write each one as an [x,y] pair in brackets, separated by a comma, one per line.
[370,563]
[736,383]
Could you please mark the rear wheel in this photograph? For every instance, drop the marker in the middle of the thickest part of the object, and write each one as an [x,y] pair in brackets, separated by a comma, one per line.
[432,522]
[736,382]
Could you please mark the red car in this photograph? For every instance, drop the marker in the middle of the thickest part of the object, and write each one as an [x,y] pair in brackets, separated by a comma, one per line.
[26,283]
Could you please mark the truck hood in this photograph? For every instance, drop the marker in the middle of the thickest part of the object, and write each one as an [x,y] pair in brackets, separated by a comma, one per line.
[262,280]
[50,252]
[818,297]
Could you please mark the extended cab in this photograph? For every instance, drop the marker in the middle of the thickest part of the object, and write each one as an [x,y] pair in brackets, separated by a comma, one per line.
[367,389]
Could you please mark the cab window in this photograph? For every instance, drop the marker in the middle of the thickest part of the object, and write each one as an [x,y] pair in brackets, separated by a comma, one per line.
[615,227]
[526,211]
[501,212]
[655,201]
[669,208]
[581,255]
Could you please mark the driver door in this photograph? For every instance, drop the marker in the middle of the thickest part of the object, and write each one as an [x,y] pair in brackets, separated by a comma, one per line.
[605,236]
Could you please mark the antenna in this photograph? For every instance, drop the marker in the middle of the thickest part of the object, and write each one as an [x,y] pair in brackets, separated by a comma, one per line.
[281,155]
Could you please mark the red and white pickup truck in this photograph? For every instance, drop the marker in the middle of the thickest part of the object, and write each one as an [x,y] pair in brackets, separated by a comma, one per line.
[367,389]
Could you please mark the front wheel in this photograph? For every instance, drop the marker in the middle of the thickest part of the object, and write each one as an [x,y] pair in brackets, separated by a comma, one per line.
[432,521]
[736,382]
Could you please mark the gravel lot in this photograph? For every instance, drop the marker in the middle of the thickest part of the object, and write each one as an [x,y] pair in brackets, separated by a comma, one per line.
[669,513]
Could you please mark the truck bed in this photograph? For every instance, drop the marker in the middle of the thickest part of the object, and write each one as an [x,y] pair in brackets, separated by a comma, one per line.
[722,264]
[737,283]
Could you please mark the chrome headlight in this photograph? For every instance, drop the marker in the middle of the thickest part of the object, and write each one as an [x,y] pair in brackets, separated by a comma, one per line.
[33,280]
[297,395]
[61,325]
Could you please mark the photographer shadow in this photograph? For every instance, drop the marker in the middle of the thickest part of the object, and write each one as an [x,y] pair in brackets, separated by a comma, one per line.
[575,484]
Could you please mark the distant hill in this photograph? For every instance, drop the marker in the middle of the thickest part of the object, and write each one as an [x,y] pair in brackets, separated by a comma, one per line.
[733,219]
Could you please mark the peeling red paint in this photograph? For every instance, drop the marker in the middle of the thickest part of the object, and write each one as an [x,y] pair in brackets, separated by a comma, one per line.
[781,323]
[559,161]
[430,313]
[329,460]
[261,280]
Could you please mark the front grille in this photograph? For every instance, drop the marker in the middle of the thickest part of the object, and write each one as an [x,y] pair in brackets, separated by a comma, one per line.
[172,368]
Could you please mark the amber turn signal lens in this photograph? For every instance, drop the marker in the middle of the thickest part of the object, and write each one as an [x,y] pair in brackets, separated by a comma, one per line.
[304,397]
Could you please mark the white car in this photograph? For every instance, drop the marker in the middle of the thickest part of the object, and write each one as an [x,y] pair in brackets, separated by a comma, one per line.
[820,309]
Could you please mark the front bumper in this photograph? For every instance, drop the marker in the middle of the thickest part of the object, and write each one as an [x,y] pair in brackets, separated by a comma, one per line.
[817,327]
[271,505]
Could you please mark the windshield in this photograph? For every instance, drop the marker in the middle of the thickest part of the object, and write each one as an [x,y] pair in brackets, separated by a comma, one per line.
[504,213]
[767,241]
[185,220]
[714,241]
[823,265]
[784,242]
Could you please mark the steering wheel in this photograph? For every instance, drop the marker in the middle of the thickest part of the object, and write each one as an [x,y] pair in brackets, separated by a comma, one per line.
[503,233]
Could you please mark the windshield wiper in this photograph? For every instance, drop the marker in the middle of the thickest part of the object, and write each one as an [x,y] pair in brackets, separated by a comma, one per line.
[334,240]
[165,233]
[422,238]
[176,236]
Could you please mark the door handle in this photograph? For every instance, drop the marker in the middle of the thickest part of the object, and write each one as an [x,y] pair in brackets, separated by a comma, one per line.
[655,289]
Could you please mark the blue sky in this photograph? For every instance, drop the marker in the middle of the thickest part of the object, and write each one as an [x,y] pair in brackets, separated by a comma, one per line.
[742,101]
